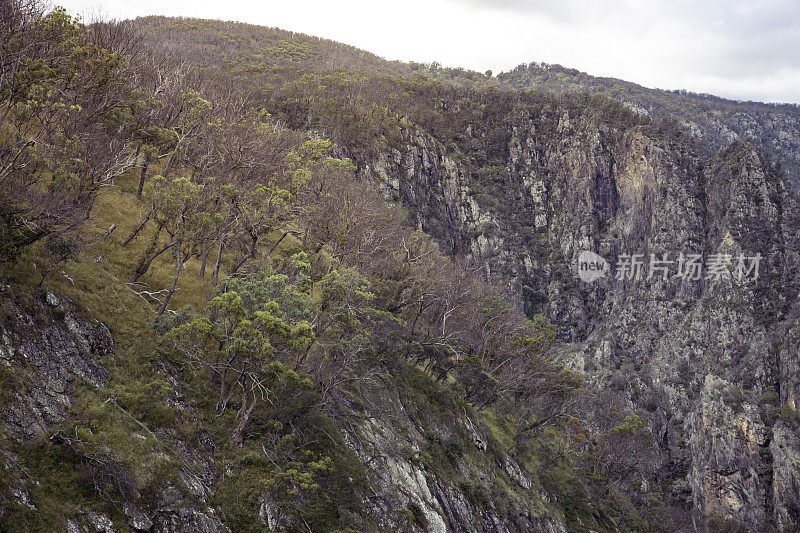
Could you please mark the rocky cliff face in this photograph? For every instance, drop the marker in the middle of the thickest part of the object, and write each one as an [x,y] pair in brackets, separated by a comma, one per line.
[712,364]
[712,361]
[49,350]
[446,470]
[715,121]
[55,350]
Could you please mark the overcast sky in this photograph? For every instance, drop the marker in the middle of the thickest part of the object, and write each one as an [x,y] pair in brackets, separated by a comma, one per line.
[747,50]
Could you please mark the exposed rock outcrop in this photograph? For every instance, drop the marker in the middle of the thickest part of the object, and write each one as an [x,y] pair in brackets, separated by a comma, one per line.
[55,349]
[49,348]
[397,451]
[700,352]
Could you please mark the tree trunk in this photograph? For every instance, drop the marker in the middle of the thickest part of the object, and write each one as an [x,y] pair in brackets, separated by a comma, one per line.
[275,246]
[143,176]
[203,263]
[168,165]
[174,282]
[238,434]
[144,265]
[250,253]
[138,228]
[215,277]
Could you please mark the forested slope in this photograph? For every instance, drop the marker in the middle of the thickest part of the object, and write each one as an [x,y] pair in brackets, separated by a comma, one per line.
[212,320]
[257,280]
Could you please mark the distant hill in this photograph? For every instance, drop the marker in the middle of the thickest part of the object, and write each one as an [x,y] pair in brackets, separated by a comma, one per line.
[226,42]
[715,120]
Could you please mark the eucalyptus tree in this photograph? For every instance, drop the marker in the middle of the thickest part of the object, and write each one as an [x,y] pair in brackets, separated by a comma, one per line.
[245,346]
[65,113]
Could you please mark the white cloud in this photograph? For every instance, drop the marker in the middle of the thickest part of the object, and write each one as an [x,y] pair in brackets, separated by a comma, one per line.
[734,48]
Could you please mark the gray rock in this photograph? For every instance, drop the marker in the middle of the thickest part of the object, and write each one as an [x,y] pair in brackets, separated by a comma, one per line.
[590,186]
[785,448]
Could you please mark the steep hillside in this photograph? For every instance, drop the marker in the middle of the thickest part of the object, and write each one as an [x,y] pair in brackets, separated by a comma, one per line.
[211,321]
[216,319]
[523,182]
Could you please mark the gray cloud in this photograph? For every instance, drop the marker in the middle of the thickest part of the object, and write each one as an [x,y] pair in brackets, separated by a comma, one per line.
[561,11]
[723,39]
